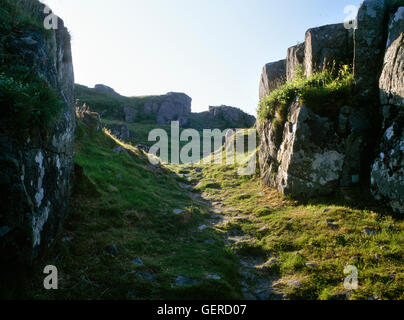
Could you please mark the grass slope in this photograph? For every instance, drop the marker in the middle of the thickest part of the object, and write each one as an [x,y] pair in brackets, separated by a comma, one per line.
[308,244]
[134,210]
[327,234]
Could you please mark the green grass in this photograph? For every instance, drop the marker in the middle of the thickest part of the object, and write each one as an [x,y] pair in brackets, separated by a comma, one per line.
[133,208]
[323,92]
[140,135]
[328,233]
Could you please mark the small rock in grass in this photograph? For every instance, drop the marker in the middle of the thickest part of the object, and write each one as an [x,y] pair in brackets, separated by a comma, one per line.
[213,277]
[369,232]
[138,262]
[145,276]
[311,264]
[377,256]
[178,211]
[203,227]
[181,281]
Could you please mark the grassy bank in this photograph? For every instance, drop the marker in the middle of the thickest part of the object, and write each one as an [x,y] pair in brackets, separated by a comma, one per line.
[128,205]
[306,247]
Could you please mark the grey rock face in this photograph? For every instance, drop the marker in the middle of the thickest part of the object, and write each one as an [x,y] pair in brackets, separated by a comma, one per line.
[306,156]
[273,76]
[308,161]
[221,117]
[294,58]
[175,106]
[120,131]
[388,169]
[327,44]
[130,114]
[232,115]
[151,107]
[369,47]
[35,174]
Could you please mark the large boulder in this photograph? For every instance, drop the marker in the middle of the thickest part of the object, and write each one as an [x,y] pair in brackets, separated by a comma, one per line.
[294,58]
[273,76]
[35,172]
[303,157]
[310,155]
[326,45]
[174,107]
[388,169]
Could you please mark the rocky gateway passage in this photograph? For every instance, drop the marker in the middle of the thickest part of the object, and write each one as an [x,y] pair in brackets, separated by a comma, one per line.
[324,206]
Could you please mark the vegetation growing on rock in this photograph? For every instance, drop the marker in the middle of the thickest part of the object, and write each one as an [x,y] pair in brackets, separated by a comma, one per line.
[26,98]
[323,92]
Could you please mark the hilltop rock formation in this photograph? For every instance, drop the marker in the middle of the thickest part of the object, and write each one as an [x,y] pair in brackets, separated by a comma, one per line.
[174,107]
[161,110]
[221,117]
[273,76]
[104,89]
[312,154]
[35,172]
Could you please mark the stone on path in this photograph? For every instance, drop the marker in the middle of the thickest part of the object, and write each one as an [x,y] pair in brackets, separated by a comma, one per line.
[182,281]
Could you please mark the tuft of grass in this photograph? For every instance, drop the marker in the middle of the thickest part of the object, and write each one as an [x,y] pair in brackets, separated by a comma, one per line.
[323,92]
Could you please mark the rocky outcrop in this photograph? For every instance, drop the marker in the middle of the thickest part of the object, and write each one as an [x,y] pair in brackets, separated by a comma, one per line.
[309,154]
[102,88]
[388,169]
[306,157]
[130,114]
[369,48]
[273,76]
[294,58]
[221,117]
[87,117]
[174,107]
[326,45]
[36,172]
[120,131]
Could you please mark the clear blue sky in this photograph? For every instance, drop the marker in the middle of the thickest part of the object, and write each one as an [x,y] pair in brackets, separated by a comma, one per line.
[213,50]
